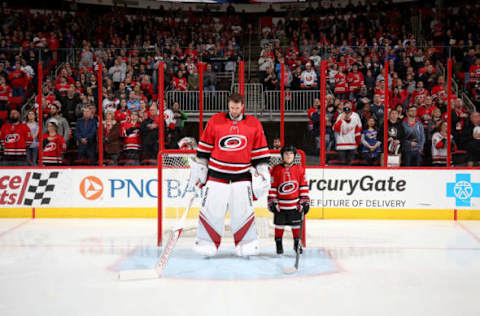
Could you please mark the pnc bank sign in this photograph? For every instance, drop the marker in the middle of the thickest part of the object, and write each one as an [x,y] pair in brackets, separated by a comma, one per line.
[93,188]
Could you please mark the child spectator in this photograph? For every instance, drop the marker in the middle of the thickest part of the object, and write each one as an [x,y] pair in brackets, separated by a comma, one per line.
[53,145]
[371,144]
[439,145]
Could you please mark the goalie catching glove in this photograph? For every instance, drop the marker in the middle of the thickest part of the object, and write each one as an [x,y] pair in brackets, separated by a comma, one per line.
[304,204]
[260,180]
[198,172]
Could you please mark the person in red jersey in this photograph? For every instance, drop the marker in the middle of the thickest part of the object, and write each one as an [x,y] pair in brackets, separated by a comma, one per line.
[131,137]
[288,197]
[18,80]
[15,137]
[53,145]
[232,147]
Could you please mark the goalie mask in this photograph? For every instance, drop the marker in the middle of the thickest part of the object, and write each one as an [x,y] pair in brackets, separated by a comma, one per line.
[187,143]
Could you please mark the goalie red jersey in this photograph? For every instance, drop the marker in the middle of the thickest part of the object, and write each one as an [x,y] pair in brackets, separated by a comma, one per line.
[232,147]
[288,186]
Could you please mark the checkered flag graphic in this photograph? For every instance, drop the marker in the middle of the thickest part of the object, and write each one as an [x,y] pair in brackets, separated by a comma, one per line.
[39,188]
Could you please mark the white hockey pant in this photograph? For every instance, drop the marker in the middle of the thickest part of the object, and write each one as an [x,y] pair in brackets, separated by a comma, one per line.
[237,198]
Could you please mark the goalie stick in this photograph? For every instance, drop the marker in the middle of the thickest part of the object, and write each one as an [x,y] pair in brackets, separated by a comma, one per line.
[156,272]
[290,270]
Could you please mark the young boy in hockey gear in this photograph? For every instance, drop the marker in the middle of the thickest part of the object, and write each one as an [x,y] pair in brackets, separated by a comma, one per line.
[230,146]
[288,197]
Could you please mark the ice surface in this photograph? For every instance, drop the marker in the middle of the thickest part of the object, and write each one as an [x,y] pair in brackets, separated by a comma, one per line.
[69,267]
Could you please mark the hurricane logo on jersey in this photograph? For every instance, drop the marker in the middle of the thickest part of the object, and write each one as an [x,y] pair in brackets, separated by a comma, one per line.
[12,138]
[232,142]
[288,187]
[50,147]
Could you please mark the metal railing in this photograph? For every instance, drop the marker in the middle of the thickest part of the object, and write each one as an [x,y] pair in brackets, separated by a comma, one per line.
[189,101]
[295,101]
[254,96]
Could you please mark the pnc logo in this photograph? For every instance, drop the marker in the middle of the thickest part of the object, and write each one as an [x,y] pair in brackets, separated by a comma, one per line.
[91,188]
[232,142]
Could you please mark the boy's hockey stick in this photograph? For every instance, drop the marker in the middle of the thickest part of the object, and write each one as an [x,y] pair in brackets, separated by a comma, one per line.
[290,270]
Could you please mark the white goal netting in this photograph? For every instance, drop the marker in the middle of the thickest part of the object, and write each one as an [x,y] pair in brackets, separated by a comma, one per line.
[175,172]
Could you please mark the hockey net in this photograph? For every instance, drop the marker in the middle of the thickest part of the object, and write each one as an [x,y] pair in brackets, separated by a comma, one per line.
[173,174]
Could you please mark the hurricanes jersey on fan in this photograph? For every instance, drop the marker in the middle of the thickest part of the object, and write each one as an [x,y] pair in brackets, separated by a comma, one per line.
[232,147]
[288,185]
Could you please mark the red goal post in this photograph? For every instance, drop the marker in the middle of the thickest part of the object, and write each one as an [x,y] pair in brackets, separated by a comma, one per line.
[173,172]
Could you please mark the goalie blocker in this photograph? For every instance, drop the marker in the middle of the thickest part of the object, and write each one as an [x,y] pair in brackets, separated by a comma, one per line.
[288,197]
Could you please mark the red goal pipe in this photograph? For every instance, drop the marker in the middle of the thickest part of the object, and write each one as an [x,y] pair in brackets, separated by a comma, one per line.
[282,104]
[40,114]
[323,113]
[241,80]
[449,113]
[385,118]
[161,145]
[200,99]
[100,116]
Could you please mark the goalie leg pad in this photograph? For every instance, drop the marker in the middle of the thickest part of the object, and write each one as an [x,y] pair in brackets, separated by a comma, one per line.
[240,205]
[251,248]
[205,248]
[212,212]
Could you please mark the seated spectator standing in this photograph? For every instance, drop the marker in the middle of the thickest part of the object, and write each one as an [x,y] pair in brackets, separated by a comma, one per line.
[395,133]
[133,103]
[459,123]
[180,118]
[209,79]
[341,84]
[271,81]
[18,80]
[414,138]
[439,145]
[123,113]
[69,103]
[309,78]
[131,139]
[347,135]
[149,133]
[355,81]
[473,141]
[371,143]
[32,150]
[53,145]
[85,133]
[15,137]
[179,83]
[111,137]
[311,110]
[61,123]
[378,108]
[5,94]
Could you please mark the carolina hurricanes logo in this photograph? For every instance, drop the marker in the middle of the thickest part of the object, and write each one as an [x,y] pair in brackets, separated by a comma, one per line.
[288,187]
[12,138]
[232,142]
[50,147]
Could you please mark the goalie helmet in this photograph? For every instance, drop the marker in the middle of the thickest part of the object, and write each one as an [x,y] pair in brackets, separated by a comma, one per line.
[187,143]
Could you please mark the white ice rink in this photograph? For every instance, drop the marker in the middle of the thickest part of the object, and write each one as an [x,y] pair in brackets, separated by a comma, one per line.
[69,267]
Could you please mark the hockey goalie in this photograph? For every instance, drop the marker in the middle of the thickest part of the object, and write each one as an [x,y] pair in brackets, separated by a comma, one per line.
[232,145]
